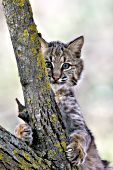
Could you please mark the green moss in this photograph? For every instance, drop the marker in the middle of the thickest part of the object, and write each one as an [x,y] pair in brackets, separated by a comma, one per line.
[47,85]
[48,101]
[20,39]
[30,9]
[8,160]
[22,2]
[62,137]
[40,60]
[24,165]
[26,33]
[14,151]
[42,70]
[44,167]
[33,37]
[1,156]
[27,156]
[34,51]
[34,163]
[53,118]
[39,160]
[58,146]
[32,27]
[19,2]
[63,143]
[51,154]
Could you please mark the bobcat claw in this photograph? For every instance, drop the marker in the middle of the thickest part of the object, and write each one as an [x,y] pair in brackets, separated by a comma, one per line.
[76,153]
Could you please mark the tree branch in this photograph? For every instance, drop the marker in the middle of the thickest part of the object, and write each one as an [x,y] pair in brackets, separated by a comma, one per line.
[41,111]
[15,154]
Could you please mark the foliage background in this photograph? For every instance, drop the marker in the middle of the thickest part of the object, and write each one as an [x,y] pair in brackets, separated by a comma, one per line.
[64,20]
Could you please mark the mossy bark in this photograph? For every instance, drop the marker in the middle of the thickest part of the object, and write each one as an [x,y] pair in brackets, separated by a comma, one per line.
[40,111]
[15,154]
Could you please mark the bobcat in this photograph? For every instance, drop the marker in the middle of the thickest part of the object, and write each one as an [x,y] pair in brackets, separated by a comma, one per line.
[64,66]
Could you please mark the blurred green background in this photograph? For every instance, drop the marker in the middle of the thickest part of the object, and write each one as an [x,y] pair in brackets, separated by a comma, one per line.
[64,20]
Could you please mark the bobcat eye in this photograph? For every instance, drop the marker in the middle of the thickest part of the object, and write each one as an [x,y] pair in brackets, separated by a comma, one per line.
[66,66]
[49,64]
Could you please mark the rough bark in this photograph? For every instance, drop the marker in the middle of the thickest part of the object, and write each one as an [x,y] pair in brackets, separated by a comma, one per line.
[15,154]
[40,111]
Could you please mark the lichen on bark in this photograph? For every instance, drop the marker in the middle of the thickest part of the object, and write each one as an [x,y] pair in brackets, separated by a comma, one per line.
[41,111]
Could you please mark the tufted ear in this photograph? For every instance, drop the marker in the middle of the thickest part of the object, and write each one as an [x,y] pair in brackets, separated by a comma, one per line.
[76,44]
[44,44]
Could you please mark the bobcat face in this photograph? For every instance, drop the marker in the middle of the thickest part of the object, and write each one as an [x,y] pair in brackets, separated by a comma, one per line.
[63,61]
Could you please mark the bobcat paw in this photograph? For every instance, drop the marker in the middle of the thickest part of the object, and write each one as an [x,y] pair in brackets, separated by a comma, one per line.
[75,151]
[24,132]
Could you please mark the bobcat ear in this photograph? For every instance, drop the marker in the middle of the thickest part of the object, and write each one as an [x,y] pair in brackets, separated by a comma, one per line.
[76,44]
[44,44]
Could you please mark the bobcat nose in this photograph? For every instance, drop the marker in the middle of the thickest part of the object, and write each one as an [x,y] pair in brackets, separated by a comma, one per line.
[56,78]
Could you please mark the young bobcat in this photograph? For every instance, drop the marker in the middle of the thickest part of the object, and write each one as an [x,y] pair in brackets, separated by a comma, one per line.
[64,67]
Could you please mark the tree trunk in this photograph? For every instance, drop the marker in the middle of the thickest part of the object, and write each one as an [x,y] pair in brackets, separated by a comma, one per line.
[40,111]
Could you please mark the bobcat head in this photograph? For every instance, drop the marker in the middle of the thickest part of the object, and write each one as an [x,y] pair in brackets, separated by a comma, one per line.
[63,61]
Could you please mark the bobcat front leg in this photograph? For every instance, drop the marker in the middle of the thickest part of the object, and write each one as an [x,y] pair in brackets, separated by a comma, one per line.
[76,150]
[79,135]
